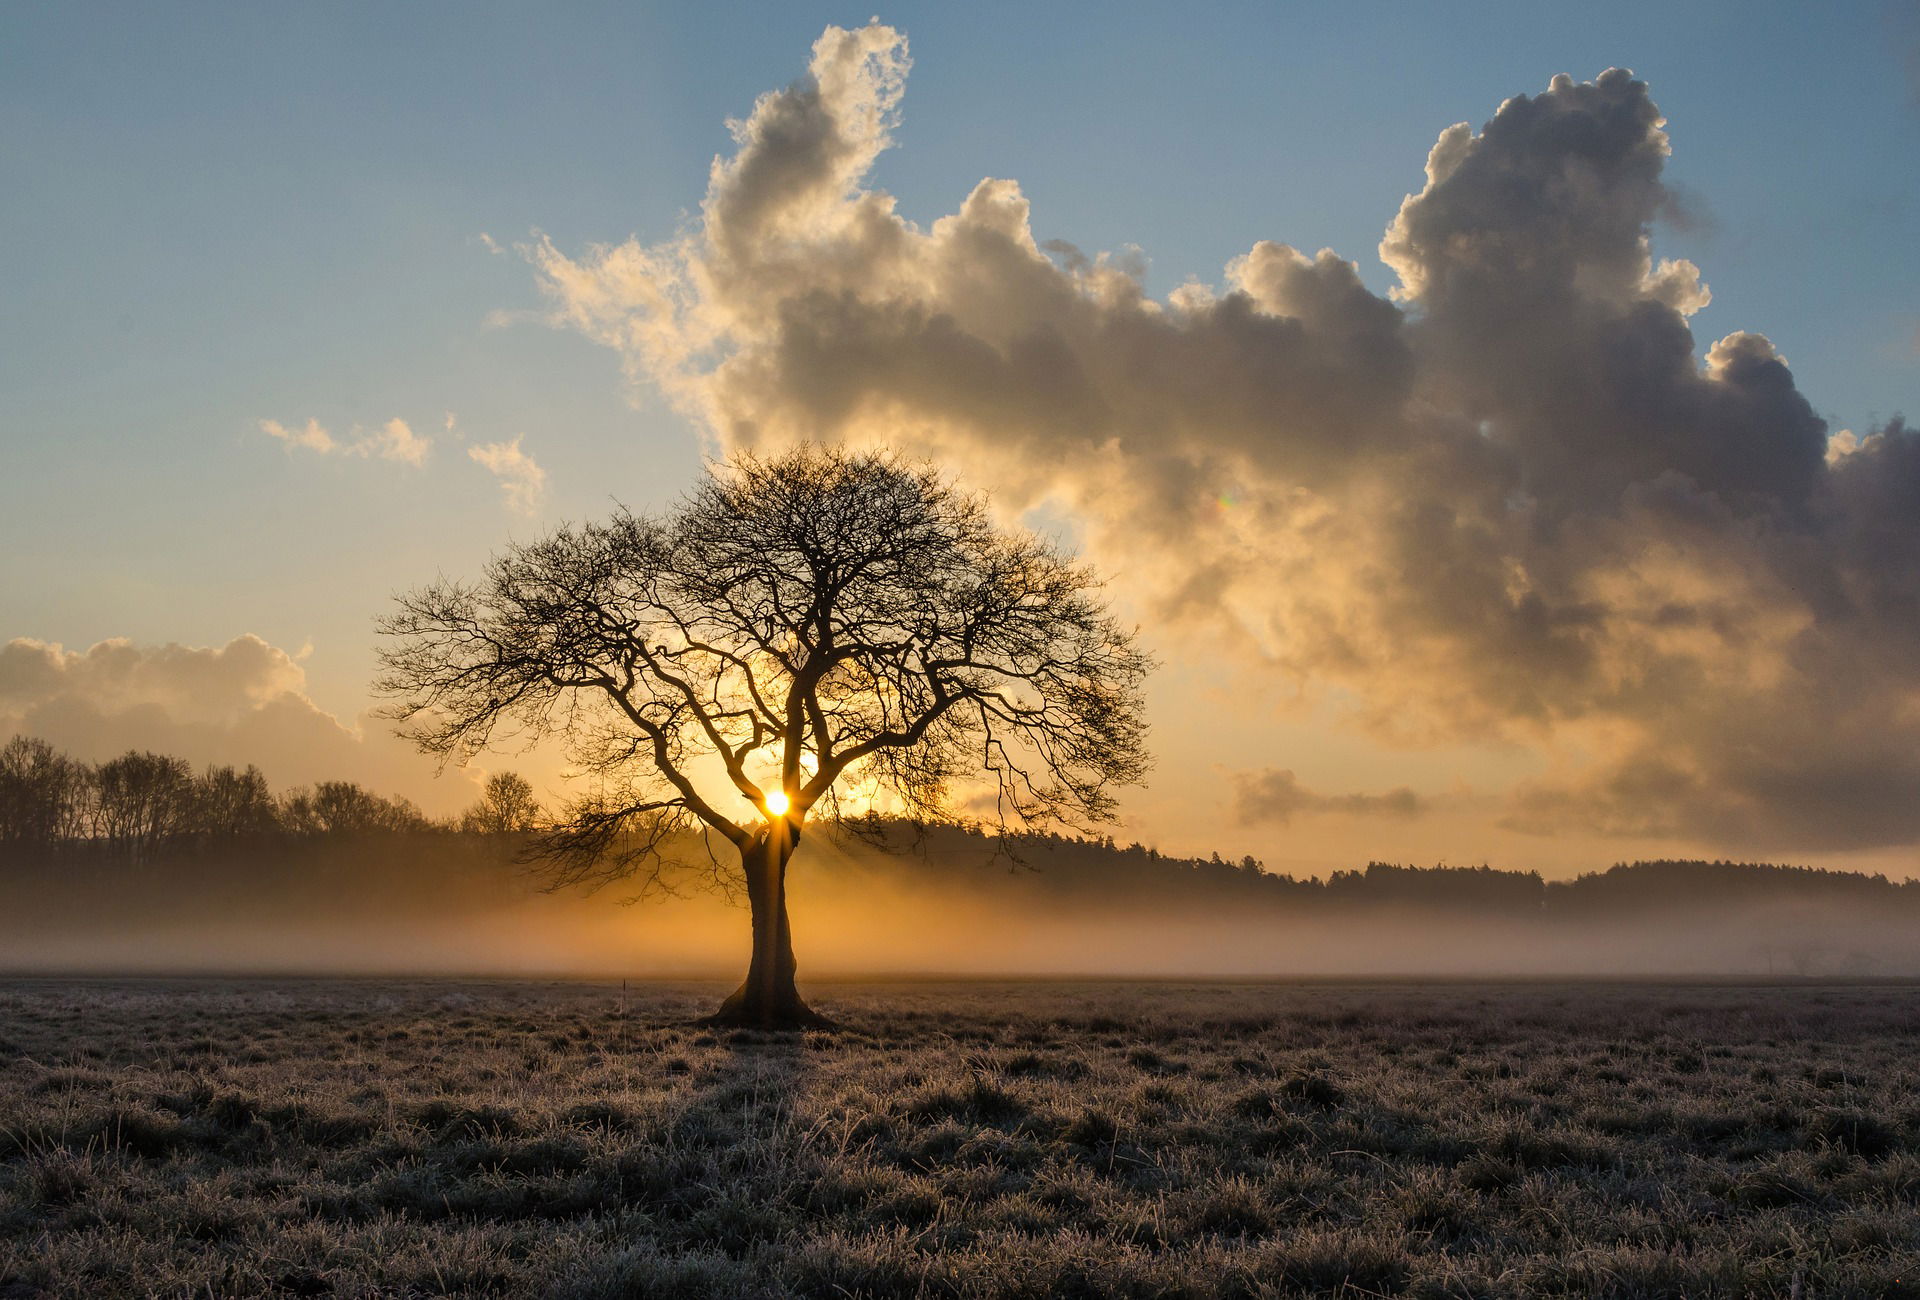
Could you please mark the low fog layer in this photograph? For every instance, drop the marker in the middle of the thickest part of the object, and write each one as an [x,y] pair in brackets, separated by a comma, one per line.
[458,904]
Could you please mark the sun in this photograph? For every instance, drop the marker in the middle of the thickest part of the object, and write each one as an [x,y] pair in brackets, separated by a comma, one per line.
[777,803]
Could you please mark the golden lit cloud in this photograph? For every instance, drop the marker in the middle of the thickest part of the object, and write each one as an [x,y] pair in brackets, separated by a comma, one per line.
[311,437]
[1512,501]
[395,440]
[522,482]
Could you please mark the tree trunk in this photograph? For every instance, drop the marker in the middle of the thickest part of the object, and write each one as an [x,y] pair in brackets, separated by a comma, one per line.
[768,999]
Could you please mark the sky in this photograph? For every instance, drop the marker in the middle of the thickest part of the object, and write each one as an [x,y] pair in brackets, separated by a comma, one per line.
[1473,548]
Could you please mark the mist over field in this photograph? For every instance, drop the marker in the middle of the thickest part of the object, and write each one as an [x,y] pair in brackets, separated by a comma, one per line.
[461,904]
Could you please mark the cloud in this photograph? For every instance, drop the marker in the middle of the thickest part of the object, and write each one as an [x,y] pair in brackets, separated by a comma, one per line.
[1275,796]
[244,702]
[209,684]
[395,440]
[312,437]
[522,481]
[1514,499]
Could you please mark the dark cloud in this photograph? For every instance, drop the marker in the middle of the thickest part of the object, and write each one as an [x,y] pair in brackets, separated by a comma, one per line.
[1517,499]
[1276,797]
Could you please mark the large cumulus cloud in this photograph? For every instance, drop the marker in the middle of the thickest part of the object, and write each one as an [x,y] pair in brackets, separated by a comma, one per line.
[1515,498]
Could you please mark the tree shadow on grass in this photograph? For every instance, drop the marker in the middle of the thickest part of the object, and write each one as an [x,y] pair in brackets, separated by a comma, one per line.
[675,1166]
[737,1141]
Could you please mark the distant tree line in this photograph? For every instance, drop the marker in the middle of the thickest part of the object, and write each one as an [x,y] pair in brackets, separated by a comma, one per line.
[1099,867]
[137,806]
[141,802]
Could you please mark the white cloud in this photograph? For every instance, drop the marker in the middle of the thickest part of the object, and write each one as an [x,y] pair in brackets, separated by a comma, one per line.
[522,482]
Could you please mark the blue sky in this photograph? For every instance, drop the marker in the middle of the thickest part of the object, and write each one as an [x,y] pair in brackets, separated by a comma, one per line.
[216,215]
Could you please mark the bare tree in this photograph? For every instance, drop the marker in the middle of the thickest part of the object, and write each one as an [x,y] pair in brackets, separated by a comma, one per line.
[821,629]
[43,793]
[142,800]
[346,808]
[228,803]
[506,806]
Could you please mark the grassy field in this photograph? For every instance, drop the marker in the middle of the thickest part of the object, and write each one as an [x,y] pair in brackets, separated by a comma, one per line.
[360,1138]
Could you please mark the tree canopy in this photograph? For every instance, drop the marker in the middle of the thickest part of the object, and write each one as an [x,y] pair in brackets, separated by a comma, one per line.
[819,624]
[821,628]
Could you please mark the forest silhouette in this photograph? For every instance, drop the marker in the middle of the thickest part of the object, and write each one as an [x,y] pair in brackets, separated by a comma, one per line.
[140,862]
